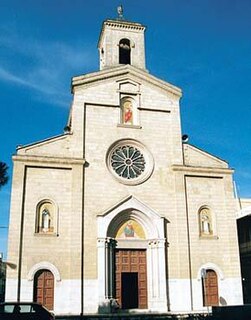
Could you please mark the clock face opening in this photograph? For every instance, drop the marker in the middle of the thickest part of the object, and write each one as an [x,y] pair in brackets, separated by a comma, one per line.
[129,162]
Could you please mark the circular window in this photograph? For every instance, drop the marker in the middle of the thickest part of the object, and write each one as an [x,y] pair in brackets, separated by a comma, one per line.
[130,162]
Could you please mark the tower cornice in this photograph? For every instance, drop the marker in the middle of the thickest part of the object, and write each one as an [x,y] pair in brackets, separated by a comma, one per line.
[121,24]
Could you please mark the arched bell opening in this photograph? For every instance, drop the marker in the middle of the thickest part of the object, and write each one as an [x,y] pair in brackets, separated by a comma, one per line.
[124,51]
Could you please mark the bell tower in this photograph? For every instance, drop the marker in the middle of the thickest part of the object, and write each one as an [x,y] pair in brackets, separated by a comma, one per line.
[121,42]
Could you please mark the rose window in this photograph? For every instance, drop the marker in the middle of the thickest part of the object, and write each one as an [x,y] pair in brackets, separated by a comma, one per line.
[128,162]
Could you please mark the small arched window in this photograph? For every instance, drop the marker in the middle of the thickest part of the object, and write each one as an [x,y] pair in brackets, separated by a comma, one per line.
[205,222]
[124,51]
[45,221]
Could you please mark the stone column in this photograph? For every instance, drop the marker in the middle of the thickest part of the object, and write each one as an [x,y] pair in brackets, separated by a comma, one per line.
[157,275]
[101,269]
[105,269]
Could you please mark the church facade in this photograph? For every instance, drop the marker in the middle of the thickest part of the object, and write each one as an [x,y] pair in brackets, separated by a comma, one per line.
[119,206]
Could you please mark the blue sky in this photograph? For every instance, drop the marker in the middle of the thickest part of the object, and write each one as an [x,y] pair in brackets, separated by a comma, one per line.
[201,46]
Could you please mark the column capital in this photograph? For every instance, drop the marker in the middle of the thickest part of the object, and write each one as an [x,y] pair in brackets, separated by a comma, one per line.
[101,242]
[156,243]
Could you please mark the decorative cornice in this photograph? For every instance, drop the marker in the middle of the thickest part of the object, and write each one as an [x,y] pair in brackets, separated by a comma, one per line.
[201,170]
[120,24]
[124,24]
[47,160]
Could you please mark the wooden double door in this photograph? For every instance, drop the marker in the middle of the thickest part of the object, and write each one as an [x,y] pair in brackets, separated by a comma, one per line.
[44,288]
[131,278]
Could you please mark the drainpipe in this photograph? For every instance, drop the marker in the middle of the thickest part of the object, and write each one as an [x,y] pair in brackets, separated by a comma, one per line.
[237,195]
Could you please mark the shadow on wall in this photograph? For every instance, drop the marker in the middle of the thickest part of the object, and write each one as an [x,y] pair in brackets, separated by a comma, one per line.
[223,302]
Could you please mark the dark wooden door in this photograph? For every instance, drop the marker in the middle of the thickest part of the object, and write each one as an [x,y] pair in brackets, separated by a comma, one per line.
[211,297]
[131,268]
[44,288]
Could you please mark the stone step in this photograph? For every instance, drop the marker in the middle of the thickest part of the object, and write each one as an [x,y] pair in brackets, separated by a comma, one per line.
[129,316]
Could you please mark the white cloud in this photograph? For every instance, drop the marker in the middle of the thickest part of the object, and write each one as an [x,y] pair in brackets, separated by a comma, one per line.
[9,77]
[45,67]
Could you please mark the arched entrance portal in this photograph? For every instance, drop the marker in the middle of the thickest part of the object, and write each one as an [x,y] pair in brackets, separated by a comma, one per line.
[44,288]
[132,257]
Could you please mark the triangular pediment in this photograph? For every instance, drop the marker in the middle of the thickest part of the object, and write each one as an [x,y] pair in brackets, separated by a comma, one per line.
[125,72]
[197,157]
[54,146]
[130,208]
[130,202]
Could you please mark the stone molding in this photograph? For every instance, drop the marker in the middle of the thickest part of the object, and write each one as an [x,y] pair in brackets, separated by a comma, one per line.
[44,141]
[211,266]
[202,170]
[43,265]
[45,160]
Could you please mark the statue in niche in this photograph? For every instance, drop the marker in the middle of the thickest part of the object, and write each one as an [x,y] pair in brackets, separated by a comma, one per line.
[205,222]
[45,220]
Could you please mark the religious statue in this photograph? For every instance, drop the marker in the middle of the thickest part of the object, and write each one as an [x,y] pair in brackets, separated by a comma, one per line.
[120,11]
[205,223]
[45,220]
